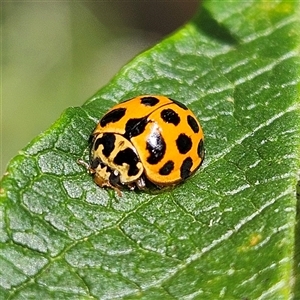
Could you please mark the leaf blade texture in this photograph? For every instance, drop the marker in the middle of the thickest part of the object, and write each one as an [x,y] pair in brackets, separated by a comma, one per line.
[226,233]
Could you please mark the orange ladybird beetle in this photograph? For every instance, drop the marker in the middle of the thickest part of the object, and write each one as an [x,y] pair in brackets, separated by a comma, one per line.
[146,139]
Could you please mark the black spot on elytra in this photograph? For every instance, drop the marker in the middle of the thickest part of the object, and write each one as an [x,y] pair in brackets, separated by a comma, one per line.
[167,168]
[200,149]
[193,123]
[170,116]
[107,141]
[129,157]
[113,116]
[156,147]
[135,127]
[185,169]
[184,143]
[179,104]
[149,101]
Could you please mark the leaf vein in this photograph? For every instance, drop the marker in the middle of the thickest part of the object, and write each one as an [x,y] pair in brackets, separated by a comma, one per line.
[221,154]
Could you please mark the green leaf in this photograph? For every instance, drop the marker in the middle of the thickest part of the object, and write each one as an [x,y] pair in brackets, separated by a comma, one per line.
[229,232]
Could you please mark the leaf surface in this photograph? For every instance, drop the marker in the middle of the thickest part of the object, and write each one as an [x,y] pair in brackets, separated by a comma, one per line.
[226,233]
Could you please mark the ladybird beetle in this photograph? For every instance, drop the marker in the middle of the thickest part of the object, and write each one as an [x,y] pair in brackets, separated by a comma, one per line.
[146,139]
